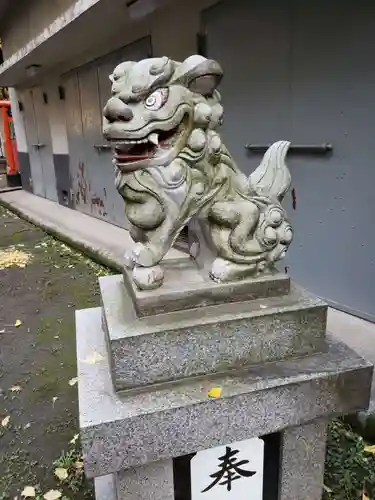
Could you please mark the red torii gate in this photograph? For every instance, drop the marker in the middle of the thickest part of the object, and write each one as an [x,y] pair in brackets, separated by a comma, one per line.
[9,141]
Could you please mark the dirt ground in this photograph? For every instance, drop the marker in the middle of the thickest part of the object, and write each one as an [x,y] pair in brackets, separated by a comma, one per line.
[38,391]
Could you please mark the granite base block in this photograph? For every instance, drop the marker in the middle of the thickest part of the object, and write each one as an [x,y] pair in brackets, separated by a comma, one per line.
[124,430]
[151,482]
[212,339]
[300,477]
[302,461]
[186,287]
[106,487]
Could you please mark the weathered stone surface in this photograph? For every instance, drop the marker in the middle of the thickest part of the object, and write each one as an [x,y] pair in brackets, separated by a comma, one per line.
[302,461]
[186,287]
[187,172]
[301,471]
[206,340]
[153,481]
[123,430]
[106,487]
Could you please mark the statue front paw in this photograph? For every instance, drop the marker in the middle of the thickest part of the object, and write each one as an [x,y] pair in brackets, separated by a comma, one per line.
[148,278]
[141,255]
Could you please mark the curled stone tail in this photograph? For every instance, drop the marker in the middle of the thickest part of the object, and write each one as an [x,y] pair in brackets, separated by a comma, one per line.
[272,178]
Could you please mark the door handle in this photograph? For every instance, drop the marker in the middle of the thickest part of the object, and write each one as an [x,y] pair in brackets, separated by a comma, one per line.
[38,146]
[317,149]
[102,147]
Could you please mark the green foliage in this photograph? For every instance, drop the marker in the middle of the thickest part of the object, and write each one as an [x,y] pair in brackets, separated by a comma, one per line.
[72,462]
[349,467]
[4,95]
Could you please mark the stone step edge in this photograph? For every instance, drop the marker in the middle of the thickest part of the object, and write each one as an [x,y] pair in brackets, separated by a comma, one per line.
[122,321]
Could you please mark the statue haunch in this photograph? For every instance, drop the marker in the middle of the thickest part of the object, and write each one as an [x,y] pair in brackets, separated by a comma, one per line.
[172,167]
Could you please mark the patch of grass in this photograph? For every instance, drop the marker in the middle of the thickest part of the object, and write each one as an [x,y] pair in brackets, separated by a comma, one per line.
[16,463]
[72,463]
[44,332]
[68,473]
[49,387]
[41,358]
[349,467]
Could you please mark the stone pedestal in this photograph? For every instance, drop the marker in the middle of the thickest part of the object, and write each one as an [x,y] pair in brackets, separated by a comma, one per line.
[147,362]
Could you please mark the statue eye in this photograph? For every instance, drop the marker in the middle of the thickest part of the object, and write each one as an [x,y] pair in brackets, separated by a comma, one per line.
[157,99]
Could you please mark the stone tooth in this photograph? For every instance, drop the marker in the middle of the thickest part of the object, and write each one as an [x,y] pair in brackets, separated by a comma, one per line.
[154,138]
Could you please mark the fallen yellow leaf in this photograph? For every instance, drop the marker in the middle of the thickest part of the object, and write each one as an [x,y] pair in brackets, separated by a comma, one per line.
[16,388]
[18,323]
[73,381]
[94,358]
[79,464]
[52,495]
[5,421]
[370,449]
[12,257]
[61,473]
[215,392]
[75,437]
[28,492]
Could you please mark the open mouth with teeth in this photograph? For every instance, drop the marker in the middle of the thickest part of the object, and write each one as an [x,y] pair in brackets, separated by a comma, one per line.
[134,150]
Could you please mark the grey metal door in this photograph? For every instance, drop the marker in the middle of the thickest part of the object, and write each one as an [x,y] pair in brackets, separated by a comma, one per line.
[251,42]
[92,139]
[83,130]
[299,71]
[133,52]
[333,99]
[44,147]
[87,90]
[32,140]
[113,201]
[77,157]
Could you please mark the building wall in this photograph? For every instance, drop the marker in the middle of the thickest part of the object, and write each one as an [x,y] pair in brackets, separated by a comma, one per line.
[281,81]
[29,20]
[23,153]
[49,33]
[169,36]
[173,30]
[59,141]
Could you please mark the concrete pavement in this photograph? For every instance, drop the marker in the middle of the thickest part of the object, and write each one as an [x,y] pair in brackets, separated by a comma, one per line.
[357,334]
[102,241]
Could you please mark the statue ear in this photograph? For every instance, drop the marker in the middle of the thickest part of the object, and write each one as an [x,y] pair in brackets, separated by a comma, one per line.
[204,85]
[199,74]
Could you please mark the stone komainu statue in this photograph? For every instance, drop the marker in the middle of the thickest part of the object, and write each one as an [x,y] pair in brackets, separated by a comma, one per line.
[172,167]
